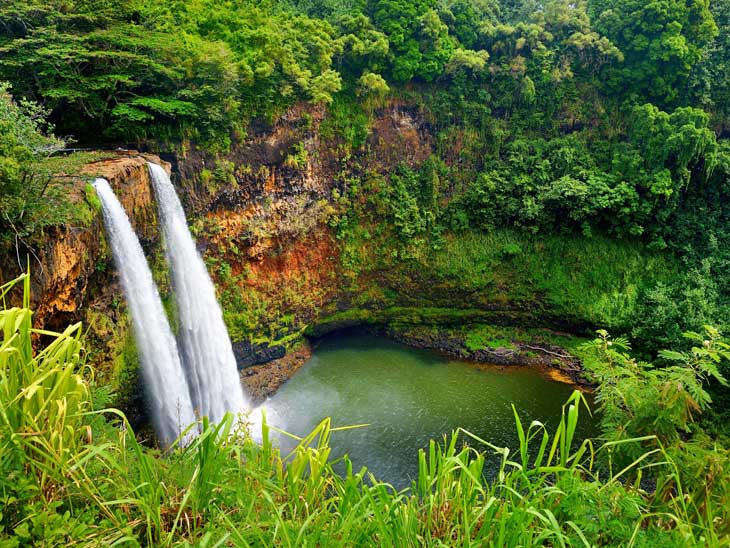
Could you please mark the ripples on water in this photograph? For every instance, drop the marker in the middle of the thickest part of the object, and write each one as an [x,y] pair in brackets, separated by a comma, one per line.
[408,397]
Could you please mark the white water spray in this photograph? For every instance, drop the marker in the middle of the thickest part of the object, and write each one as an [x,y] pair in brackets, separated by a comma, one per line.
[210,365]
[168,396]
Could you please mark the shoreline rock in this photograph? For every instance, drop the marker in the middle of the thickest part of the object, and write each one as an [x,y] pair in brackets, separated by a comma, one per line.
[555,361]
[263,380]
[248,354]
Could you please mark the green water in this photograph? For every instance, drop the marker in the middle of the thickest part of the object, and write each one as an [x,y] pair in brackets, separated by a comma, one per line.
[408,397]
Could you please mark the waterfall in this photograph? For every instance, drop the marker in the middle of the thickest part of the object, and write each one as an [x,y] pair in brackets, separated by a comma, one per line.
[210,365]
[167,392]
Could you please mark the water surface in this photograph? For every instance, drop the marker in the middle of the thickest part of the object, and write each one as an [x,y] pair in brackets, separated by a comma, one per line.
[409,396]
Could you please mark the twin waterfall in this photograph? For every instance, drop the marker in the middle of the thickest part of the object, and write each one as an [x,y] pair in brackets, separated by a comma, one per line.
[205,382]
[167,391]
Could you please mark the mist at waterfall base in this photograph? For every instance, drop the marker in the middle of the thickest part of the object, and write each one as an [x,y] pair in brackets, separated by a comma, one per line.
[167,392]
[206,351]
[408,397]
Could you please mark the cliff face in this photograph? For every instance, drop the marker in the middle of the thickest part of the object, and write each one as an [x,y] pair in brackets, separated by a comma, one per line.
[270,218]
[69,268]
[266,216]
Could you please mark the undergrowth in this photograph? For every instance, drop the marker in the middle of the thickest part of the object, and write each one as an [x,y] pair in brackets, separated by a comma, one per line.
[73,473]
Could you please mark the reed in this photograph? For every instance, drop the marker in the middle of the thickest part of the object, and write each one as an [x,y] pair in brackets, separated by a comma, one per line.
[67,478]
[42,397]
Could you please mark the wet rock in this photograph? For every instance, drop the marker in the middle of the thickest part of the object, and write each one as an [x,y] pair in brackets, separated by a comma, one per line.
[248,354]
[263,380]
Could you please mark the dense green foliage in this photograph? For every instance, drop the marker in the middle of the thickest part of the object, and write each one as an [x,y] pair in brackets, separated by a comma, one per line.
[205,69]
[577,166]
[34,185]
[23,183]
[68,476]
[135,70]
[573,118]
[661,41]
[560,116]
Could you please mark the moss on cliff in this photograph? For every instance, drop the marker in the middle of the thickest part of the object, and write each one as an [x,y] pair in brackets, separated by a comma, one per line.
[333,240]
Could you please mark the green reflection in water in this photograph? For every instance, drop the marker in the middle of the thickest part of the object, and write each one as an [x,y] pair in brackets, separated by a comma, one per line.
[408,397]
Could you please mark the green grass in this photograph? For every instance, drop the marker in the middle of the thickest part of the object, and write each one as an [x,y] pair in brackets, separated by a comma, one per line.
[71,474]
[76,201]
[484,336]
[595,279]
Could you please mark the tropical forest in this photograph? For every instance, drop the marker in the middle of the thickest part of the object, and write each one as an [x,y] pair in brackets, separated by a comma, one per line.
[378,273]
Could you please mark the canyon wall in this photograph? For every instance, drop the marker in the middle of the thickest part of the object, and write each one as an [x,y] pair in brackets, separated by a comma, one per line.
[271,219]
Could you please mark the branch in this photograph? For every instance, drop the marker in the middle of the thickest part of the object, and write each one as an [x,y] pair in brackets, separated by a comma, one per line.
[18,238]
[541,349]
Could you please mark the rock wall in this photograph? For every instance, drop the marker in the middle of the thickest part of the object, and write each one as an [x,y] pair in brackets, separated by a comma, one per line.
[70,267]
[264,216]
[265,213]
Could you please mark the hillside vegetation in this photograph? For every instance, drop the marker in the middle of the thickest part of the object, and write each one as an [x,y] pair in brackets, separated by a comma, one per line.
[576,175]
[582,119]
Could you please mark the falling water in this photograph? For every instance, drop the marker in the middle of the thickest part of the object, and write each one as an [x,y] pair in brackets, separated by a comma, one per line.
[172,410]
[210,365]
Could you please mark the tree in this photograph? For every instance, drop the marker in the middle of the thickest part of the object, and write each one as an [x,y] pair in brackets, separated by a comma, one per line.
[25,141]
[134,70]
[463,18]
[372,88]
[362,48]
[709,83]
[99,72]
[420,43]
[473,62]
[661,41]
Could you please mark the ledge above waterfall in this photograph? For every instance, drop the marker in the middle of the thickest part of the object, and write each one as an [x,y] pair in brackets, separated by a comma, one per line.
[66,260]
[128,175]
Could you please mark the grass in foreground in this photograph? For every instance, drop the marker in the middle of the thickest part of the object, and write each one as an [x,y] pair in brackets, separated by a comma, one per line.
[74,474]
